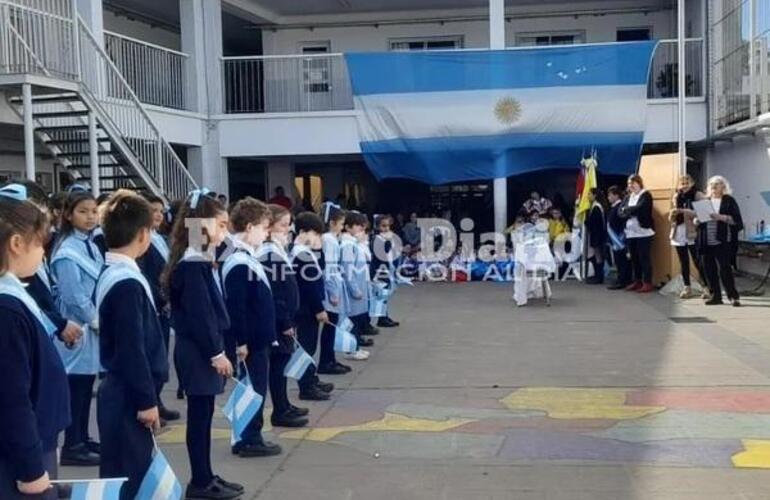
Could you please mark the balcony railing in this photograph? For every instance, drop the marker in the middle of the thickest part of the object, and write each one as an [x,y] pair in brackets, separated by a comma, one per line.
[319,82]
[156,74]
[664,72]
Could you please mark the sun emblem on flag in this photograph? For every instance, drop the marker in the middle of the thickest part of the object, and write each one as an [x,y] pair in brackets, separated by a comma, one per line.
[508,110]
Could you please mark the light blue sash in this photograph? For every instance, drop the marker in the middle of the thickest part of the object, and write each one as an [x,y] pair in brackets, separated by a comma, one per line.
[268,247]
[618,242]
[11,286]
[244,259]
[159,243]
[298,249]
[42,273]
[88,265]
[114,274]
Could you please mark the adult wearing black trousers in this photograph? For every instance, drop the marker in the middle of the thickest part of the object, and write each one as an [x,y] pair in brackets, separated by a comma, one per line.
[637,210]
[596,227]
[684,231]
[616,232]
[715,238]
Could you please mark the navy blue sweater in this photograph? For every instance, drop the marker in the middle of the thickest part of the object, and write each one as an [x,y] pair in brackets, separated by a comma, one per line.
[131,342]
[34,395]
[285,292]
[45,301]
[152,264]
[198,312]
[310,284]
[251,309]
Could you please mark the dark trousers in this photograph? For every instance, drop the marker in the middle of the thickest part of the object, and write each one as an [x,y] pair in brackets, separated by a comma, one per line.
[165,328]
[257,363]
[307,336]
[684,253]
[200,413]
[359,325]
[717,264]
[81,392]
[641,258]
[278,360]
[126,444]
[8,490]
[327,356]
[623,265]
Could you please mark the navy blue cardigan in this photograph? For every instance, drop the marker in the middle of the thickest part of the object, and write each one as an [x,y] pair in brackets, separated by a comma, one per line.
[251,309]
[131,342]
[34,395]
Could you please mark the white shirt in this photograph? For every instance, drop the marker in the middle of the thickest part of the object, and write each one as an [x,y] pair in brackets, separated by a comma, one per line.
[111,258]
[633,229]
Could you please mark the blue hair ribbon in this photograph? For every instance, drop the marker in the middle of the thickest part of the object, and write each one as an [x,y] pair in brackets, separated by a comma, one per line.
[16,192]
[195,196]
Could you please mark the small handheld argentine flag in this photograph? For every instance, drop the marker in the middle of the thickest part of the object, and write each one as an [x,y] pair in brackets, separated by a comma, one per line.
[97,489]
[160,482]
[241,407]
[381,291]
[378,307]
[344,341]
[298,364]
[345,323]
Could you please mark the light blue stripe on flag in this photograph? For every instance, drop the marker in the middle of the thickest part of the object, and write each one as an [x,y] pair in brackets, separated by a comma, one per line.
[160,482]
[344,341]
[241,407]
[345,323]
[102,489]
[298,364]
[378,308]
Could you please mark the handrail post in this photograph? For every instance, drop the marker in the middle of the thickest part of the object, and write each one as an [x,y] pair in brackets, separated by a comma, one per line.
[93,147]
[29,132]
[160,177]
[76,40]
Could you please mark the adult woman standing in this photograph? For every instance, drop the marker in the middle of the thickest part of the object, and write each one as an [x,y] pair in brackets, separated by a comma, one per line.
[714,240]
[684,230]
[596,226]
[637,210]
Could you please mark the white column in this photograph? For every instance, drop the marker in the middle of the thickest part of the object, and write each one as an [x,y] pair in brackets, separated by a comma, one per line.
[93,16]
[682,86]
[29,132]
[93,150]
[497,41]
[201,25]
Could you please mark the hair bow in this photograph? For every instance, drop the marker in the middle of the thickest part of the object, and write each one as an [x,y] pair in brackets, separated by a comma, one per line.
[195,196]
[328,208]
[16,192]
[77,188]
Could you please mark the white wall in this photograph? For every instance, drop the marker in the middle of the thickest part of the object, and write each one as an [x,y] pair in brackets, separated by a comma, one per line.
[746,164]
[476,33]
[141,31]
[662,122]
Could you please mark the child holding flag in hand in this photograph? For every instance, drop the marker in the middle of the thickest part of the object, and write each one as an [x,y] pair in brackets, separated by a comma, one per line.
[199,318]
[355,273]
[131,343]
[34,398]
[252,312]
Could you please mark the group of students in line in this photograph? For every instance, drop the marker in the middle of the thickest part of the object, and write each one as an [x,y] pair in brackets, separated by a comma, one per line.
[101,302]
[628,229]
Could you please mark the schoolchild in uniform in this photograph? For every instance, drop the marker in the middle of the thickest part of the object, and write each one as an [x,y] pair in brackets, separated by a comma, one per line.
[76,264]
[384,262]
[56,204]
[41,285]
[252,312]
[131,345]
[364,242]
[355,274]
[308,268]
[34,399]
[616,233]
[199,318]
[272,254]
[152,264]
[334,289]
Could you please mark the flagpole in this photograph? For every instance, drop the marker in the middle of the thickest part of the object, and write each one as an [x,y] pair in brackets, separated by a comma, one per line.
[99,480]
[682,87]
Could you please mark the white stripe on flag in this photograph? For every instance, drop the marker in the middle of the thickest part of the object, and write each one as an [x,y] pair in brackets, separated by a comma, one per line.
[243,402]
[165,485]
[95,490]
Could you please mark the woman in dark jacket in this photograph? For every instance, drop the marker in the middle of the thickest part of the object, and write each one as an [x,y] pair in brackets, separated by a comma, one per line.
[715,237]
[637,210]
[684,231]
[596,226]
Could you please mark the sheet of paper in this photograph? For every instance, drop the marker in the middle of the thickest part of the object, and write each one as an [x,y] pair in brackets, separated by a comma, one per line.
[703,209]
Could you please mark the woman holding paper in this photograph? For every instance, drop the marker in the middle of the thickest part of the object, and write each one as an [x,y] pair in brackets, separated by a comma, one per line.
[684,230]
[714,238]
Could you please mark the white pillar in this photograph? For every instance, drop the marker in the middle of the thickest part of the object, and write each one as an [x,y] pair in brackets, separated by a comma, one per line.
[29,132]
[682,86]
[93,16]
[93,150]
[201,25]
[496,42]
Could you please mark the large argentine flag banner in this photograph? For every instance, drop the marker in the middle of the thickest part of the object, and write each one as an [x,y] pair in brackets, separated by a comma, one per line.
[441,117]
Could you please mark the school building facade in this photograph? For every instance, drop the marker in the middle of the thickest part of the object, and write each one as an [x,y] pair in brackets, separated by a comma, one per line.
[243,96]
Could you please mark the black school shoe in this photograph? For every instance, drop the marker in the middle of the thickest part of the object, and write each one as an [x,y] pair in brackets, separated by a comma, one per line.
[313,393]
[213,491]
[260,449]
[325,386]
[93,446]
[386,322]
[362,342]
[288,420]
[79,456]
[167,414]
[297,411]
[714,302]
[229,485]
[332,369]
[370,330]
